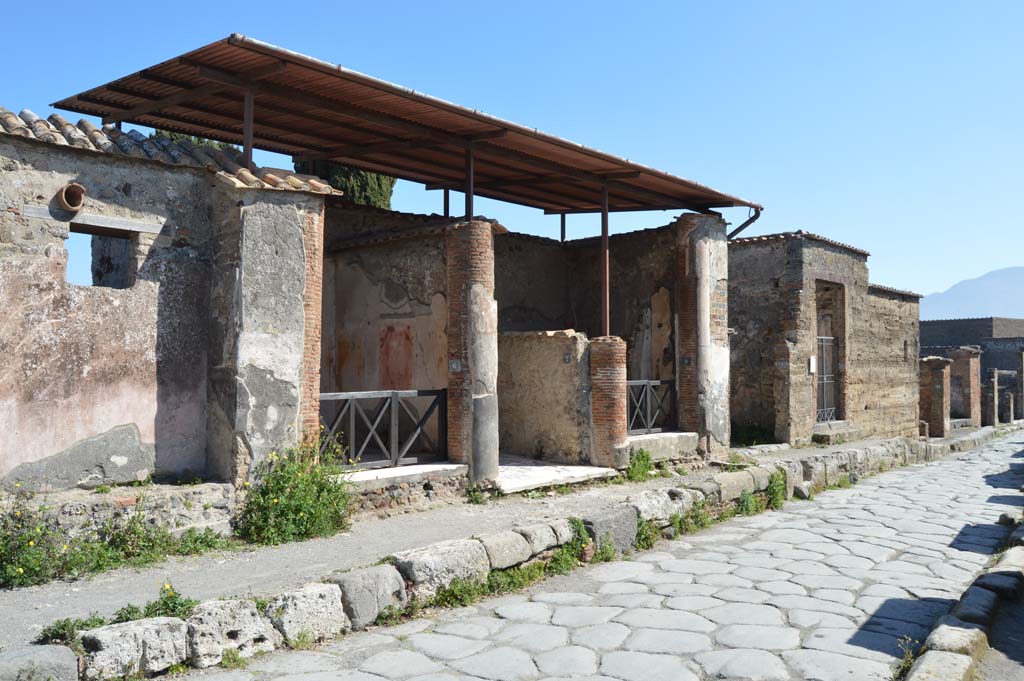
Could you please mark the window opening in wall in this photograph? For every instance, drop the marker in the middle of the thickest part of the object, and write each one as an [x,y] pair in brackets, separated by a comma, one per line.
[99,259]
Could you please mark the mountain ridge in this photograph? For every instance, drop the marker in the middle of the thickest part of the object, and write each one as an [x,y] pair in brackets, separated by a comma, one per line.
[993,294]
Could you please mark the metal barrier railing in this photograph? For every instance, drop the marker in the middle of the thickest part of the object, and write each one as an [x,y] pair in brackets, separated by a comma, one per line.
[650,406]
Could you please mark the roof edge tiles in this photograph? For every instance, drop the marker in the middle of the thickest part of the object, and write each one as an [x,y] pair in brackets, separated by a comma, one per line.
[58,131]
[798,234]
[894,291]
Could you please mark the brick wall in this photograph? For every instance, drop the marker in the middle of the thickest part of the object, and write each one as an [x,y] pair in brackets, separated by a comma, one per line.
[934,395]
[313,241]
[965,385]
[608,399]
[953,332]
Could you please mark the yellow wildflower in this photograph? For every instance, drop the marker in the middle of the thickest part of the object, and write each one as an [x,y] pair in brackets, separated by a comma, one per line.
[31,542]
[17,484]
[20,570]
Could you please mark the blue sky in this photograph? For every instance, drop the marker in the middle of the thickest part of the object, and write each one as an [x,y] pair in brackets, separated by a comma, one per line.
[895,127]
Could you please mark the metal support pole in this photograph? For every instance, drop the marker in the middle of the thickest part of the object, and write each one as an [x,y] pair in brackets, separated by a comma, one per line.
[447,208]
[247,129]
[605,290]
[563,226]
[469,183]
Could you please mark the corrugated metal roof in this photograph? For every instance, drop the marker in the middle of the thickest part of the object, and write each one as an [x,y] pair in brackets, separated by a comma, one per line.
[799,234]
[109,140]
[312,109]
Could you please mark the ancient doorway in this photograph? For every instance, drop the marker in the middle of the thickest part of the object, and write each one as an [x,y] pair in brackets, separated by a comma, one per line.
[827,385]
[830,350]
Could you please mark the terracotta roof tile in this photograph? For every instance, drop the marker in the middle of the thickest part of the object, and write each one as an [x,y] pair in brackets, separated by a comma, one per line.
[799,234]
[109,140]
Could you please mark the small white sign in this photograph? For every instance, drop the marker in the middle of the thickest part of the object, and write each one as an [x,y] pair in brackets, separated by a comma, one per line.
[812,364]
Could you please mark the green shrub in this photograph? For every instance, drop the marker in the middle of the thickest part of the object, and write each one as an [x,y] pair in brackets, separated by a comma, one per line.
[170,604]
[458,594]
[647,534]
[697,518]
[749,504]
[294,498]
[475,495]
[230,658]
[640,467]
[192,542]
[66,631]
[605,550]
[676,521]
[844,482]
[516,578]
[777,490]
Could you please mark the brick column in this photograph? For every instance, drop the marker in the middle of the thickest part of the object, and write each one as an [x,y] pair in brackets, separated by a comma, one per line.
[608,402]
[312,308]
[967,366]
[702,295]
[934,395]
[472,349]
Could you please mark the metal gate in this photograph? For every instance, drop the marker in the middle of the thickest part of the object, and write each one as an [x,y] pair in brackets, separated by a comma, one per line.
[828,358]
[651,406]
[387,427]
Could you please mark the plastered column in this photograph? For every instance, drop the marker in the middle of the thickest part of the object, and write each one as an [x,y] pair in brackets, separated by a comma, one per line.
[934,395]
[1018,410]
[472,350]
[990,400]
[608,402]
[702,374]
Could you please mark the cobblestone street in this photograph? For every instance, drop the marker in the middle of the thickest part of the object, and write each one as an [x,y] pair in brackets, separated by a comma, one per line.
[823,591]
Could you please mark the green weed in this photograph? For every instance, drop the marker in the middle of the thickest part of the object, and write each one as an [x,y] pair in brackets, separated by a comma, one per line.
[777,490]
[232,659]
[647,534]
[640,467]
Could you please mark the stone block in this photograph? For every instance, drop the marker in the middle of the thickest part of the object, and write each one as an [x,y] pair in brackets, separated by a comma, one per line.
[563,531]
[146,646]
[1005,586]
[732,485]
[218,625]
[802,491]
[761,476]
[39,663]
[1011,560]
[953,635]
[707,488]
[315,610]
[367,592]
[977,605]
[938,665]
[505,549]
[540,537]
[434,567]
[617,525]
[814,472]
[683,499]
[654,505]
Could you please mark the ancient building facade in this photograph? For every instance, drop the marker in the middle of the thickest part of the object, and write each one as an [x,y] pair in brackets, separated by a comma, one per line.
[817,351]
[192,350]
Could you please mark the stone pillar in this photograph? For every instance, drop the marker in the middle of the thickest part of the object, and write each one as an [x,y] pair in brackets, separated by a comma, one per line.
[472,350]
[1006,407]
[702,372]
[934,395]
[608,402]
[1019,398]
[967,367]
[990,400]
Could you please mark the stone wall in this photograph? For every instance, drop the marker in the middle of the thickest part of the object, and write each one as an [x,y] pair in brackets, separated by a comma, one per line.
[1001,353]
[952,332]
[775,284]
[189,358]
[544,395]
[934,395]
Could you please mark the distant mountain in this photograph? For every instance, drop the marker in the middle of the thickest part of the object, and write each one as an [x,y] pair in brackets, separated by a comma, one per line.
[999,293]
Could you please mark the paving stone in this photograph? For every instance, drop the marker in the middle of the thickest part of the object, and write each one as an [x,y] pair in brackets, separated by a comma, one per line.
[741,595]
[583,615]
[436,566]
[619,571]
[760,574]
[819,665]
[895,628]
[936,665]
[725,581]
[537,638]
[563,598]
[607,636]
[623,588]
[752,665]
[808,567]
[670,642]
[697,567]
[446,647]
[499,664]
[506,549]
[568,661]
[665,619]
[860,643]
[742,613]
[294,662]
[472,627]
[758,636]
[693,603]
[809,619]
[782,588]
[916,611]
[38,663]
[634,601]
[956,636]
[539,613]
[395,664]
[685,589]
[635,666]
[366,592]
[1004,585]
[808,603]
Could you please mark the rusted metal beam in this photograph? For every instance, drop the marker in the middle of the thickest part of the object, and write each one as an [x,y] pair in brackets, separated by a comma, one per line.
[563,226]
[447,207]
[605,266]
[386,146]
[247,128]
[469,183]
[528,180]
